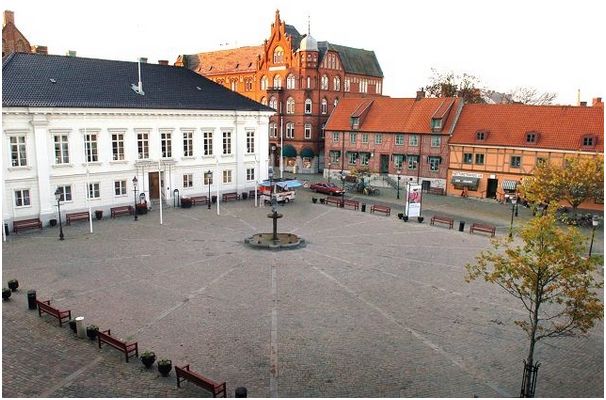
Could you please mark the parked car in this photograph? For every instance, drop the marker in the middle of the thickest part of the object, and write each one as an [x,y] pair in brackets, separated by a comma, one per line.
[327,188]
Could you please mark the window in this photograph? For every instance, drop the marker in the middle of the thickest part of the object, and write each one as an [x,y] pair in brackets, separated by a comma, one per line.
[273,103]
[207,143]
[434,163]
[291,82]
[226,143]
[308,82]
[234,85]
[188,144]
[290,106]
[263,82]
[355,122]
[143,145]
[335,137]
[278,55]
[399,139]
[93,191]
[352,157]
[264,100]
[118,146]
[335,156]
[227,176]
[467,158]
[480,159]
[516,161]
[364,138]
[398,159]
[352,138]
[336,83]
[436,140]
[324,82]
[480,135]
[273,129]
[22,198]
[436,124]
[208,179]
[90,147]
[324,106]
[347,85]
[363,86]
[413,140]
[413,161]
[61,150]
[540,161]
[248,85]
[588,141]
[531,137]
[378,88]
[277,82]
[167,149]
[308,106]
[66,193]
[188,181]
[322,130]
[307,131]
[364,158]
[250,142]
[335,102]
[250,174]
[290,130]
[18,155]
[120,188]
[378,138]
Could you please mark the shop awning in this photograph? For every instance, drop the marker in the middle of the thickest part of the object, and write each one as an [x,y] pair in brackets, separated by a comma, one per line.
[510,185]
[289,151]
[465,181]
[307,152]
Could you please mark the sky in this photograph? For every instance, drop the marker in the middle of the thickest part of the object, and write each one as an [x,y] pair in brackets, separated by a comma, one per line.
[553,46]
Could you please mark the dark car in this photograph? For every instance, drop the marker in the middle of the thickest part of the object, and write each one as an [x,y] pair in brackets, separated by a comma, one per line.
[327,188]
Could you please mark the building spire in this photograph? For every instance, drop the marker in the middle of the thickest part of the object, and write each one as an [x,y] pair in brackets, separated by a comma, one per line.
[308,25]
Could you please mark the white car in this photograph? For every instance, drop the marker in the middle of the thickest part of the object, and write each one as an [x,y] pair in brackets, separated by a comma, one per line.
[281,197]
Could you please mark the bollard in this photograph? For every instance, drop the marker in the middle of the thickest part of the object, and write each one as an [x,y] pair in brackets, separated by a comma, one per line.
[241,392]
[363,208]
[31,299]
[80,328]
[461,226]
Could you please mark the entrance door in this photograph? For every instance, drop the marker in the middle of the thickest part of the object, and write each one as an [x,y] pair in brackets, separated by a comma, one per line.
[154,185]
[425,185]
[491,188]
[384,163]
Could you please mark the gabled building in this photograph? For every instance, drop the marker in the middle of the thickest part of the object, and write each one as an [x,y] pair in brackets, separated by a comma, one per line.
[494,146]
[13,41]
[400,137]
[299,77]
[87,127]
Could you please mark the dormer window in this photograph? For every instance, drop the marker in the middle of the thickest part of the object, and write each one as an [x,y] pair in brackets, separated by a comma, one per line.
[589,141]
[481,135]
[532,137]
[355,122]
[436,124]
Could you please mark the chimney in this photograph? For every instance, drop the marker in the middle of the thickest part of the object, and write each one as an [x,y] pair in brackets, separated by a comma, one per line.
[583,104]
[597,102]
[143,60]
[9,16]
[40,49]
[163,62]
[71,53]
[420,94]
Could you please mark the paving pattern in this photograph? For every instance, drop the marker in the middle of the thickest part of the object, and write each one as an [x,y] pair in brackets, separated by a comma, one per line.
[371,307]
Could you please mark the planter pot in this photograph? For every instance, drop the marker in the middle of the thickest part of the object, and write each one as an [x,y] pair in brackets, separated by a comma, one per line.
[213,199]
[141,209]
[13,284]
[99,214]
[186,203]
[322,201]
[165,368]
[314,200]
[401,215]
[420,219]
[52,222]
[244,196]
[92,333]
[148,360]
[405,218]
[6,293]
[72,325]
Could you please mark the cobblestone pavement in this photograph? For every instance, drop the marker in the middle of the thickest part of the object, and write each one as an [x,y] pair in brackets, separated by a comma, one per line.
[370,307]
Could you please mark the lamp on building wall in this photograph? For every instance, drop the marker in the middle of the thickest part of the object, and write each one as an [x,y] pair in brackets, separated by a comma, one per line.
[58,195]
[135,192]
[208,175]
[514,201]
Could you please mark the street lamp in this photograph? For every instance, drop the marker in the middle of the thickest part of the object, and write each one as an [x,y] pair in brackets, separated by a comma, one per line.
[135,192]
[208,175]
[329,165]
[343,180]
[399,171]
[58,195]
[514,200]
[594,225]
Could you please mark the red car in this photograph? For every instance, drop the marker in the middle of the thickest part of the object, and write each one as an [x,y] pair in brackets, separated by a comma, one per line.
[327,188]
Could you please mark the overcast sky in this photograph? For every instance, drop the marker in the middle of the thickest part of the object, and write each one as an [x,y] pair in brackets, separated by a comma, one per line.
[552,45]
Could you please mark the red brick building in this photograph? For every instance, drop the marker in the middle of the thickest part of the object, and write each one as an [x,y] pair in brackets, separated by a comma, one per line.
[13,41]
[301,78]
[405,137]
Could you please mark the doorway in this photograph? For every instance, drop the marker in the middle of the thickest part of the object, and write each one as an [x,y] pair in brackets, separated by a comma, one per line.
[154,185]
[384,163]
[491,188]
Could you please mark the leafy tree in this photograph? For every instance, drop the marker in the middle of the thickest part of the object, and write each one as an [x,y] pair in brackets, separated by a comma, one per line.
[454,85]
[548,274]
[578,180]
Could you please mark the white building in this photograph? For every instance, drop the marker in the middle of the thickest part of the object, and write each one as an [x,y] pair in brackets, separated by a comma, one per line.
[88,127]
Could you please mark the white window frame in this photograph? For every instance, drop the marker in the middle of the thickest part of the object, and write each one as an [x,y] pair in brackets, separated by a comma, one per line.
[143,145]
[273,129]
[250,142]
[66,193]
[188,143]
[91,146]
[117,146]
[93,191]
[307,131]
[277,82]
[207,143]
[324,106]
[61,148]
[434,163]
[336,84]
[413,140]
[308,106]
[291,82]
[290,130]
[273,103]
[120,188]
[227,176]
[22,197]
[413,162]
[378,138]
[227,145]
[166,144]
[264,82]
[18,150]
[436,140]
[335,137]
[364,138]
[324,82]
[188,181]
[399,140]
[347,85]
[290,106]
[250,174]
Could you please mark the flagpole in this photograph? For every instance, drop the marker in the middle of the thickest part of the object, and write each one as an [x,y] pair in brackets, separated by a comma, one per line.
[160,178]
[218,180]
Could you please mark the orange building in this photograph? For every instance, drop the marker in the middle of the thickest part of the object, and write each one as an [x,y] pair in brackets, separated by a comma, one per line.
[494,146]
[301,78]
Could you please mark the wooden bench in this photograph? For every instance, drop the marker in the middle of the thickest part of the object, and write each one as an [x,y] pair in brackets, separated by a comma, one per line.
[199,200]
[483,228]
[184,373]
[435,190]
[76,216]
[231,196]
[442,219]
[337,201]
[45,307]
[354,204]
[26,224]
[126,348]
[115,211]
[379,208]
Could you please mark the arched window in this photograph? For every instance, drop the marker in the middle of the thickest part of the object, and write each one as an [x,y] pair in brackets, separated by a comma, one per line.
[290,106]
[307,131]
[263,82]
[336,83]
[278,55]
[291,82]
[324,106]
[308,106]
[273,130]
[347,85]
[277,81]
[273,103]
[324,82]
[264,100]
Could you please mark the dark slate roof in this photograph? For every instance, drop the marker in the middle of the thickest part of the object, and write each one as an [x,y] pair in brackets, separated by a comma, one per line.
[295,36]
[95,83]
[355,61]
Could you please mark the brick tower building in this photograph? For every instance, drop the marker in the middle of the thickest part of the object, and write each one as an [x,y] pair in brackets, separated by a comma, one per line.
[299,77]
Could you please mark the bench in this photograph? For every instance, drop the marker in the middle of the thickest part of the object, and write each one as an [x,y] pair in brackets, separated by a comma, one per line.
[45,307]
[184,373]
[337,201]
[435,190]
[198,200]
[354,204]
[126,348]
[115,211]
[76,216]
[379,208]
[442,219]
[26,224]
[231,196]
[483,228]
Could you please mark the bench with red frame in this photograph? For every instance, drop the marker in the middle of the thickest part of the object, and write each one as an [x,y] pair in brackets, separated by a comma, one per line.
[443,220]
[45,307]
[76,216]
[354,204]
[115,211]
[231,196]
[26,224]
[198,200]
[126,348]
[435,190]
[337,201]
[184,373]
[379,208]
[483,228]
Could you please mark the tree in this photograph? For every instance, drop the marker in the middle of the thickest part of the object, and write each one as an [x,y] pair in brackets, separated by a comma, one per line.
[529,95]
[578,180]
[454,85]
[548,274]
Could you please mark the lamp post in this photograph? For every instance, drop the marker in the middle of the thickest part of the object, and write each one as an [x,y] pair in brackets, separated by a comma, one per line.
[208,175]
[58,195]
[329,165]
[594,225]
[135,192]
[514,200]
[399,171]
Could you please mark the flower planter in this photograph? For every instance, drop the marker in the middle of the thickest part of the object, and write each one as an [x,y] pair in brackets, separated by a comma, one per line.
[6,294]
[322,201]
[401,215]
[314,200]
[99,214]
[52,222]
[148,358]
[13,284]
[91,332]
[420,219]
[164,367]
[405,218]
[244,196]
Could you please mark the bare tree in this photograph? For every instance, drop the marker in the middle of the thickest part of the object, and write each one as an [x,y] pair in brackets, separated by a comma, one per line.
[529,95]
[450,84]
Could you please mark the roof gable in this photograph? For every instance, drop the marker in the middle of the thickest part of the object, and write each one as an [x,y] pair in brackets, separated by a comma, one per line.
[354,61]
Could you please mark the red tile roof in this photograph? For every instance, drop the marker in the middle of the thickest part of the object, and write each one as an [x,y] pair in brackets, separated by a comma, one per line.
[242,59]
[558,127]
